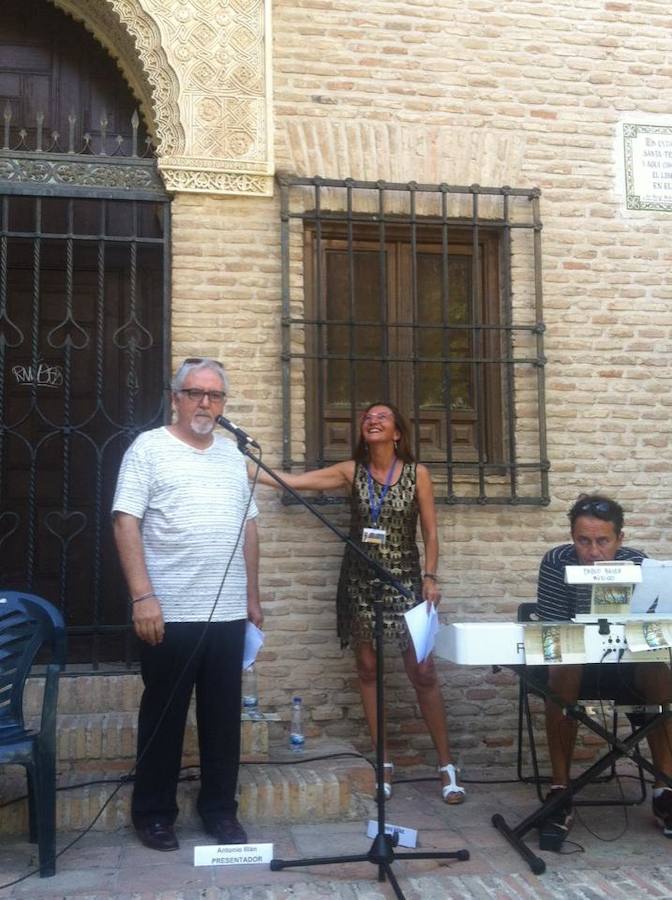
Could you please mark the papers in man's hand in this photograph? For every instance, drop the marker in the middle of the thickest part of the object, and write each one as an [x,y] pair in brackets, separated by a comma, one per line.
[654,594]
[423,624]
[254,640]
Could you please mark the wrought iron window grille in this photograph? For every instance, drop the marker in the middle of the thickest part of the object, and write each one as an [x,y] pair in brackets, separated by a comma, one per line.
[429,296]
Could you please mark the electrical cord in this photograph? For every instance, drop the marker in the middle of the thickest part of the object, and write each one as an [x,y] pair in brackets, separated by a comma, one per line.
[623,806]
[463,780]
[129,777]
[578,848]
[131,773]
[627,685]
[566,738]
[644,701]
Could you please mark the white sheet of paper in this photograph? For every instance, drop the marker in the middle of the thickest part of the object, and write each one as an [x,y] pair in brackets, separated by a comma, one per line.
[407,837]
[254,641]
[433,629]
[423,627]
[655,590]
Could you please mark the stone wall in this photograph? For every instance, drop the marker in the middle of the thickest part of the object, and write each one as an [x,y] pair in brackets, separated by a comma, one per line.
[526,94]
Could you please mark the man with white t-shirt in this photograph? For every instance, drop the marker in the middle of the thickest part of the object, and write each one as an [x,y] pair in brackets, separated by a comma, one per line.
[184,525]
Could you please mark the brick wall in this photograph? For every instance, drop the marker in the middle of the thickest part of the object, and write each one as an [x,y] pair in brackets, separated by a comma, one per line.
[526,93]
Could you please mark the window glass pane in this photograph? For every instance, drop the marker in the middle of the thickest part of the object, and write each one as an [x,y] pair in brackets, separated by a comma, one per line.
[55,215]
[86,216]
[446,378]
[120,218]
[150,219]
[21,213]
[346,378]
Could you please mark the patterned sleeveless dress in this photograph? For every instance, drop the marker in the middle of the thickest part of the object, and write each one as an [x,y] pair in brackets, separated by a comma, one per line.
[399,555]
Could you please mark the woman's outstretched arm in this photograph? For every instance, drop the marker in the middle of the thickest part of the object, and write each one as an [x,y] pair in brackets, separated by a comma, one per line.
[331,478]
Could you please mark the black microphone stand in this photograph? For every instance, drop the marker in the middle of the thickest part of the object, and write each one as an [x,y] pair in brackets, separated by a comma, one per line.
[381,852]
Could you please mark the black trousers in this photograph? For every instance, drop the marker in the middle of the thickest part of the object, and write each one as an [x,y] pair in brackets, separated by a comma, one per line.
[170,674]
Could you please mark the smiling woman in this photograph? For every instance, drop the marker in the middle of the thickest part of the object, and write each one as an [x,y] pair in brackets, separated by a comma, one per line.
[389,491]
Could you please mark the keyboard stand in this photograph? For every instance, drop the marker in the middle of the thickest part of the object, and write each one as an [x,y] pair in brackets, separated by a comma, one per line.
[619,748]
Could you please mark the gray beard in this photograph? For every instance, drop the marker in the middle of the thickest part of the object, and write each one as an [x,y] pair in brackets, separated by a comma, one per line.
[202,426]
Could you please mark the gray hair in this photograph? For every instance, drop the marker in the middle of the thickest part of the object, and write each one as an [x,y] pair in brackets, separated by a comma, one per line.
[199,364]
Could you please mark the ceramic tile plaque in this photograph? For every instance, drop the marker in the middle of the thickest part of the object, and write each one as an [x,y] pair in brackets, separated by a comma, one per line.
[648,166]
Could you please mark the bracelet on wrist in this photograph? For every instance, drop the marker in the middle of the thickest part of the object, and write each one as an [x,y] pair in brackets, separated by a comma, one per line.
[144,597]
[431,576]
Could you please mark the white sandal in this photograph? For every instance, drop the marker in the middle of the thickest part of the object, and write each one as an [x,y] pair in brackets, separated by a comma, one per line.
[387,785]
[452,793]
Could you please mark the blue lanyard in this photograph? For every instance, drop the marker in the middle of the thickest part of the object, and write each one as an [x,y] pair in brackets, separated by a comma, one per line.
[376,507]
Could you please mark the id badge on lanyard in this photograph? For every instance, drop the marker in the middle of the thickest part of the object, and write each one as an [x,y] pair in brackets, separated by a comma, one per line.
[374,535]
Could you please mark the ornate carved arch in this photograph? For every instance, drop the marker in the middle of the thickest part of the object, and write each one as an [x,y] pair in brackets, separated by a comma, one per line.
[201,70]
[133,39]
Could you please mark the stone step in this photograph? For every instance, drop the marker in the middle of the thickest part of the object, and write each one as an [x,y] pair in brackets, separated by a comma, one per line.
[97,721]
[85,693]
[284,790]
[97,740]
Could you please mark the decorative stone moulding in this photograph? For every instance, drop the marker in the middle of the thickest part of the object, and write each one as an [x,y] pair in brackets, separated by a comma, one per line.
[201,70]
[75,175]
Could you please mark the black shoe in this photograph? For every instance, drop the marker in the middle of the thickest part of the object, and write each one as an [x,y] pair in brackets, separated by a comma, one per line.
[227,830]
[555,828]
[662,810]
[158,836]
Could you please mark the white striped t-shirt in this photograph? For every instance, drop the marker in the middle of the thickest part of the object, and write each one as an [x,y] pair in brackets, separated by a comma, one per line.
[192,504]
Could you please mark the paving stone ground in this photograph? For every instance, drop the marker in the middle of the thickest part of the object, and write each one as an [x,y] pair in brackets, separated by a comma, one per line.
[613,854]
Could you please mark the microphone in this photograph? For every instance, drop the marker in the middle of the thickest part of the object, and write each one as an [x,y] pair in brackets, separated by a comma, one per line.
[241,436]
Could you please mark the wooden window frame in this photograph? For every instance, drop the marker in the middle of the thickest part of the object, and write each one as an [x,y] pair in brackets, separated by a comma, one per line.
[477,435]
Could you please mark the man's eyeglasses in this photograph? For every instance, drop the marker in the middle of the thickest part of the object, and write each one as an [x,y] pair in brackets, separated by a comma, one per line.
[196,394]
[376,417]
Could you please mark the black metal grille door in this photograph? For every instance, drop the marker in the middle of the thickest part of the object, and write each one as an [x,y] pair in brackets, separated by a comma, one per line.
[84,239]
[83,338]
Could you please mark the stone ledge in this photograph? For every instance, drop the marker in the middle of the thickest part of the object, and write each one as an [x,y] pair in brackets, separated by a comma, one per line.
[284,790]
[103,739]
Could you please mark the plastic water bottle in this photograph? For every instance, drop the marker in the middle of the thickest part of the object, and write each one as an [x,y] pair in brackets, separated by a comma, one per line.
[296,736]
[250,694]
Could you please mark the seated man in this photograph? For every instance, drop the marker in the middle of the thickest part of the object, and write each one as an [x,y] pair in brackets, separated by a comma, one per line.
[596,524]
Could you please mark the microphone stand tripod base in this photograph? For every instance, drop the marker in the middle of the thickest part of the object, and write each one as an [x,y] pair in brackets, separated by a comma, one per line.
[381,852]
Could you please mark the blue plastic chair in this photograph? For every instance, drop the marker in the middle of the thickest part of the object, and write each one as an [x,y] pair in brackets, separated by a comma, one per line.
[27,623]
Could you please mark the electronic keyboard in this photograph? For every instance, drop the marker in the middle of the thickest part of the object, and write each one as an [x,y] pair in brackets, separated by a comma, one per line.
[503,643]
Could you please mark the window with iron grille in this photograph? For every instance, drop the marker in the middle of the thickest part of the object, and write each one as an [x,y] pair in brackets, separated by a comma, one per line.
[427,296]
